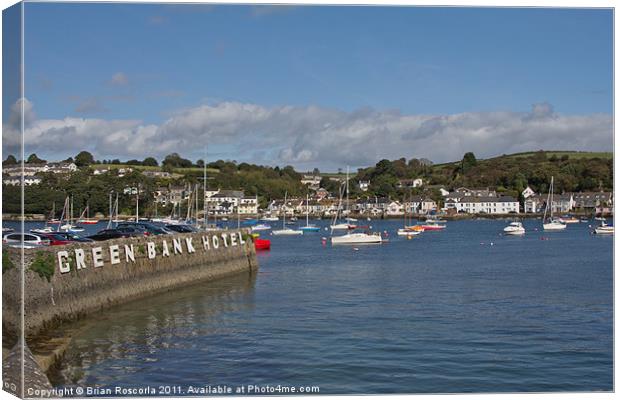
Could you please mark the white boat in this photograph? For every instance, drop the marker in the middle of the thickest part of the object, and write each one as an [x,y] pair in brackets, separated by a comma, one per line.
[569,220]
[552,224]
[407,232]
[286,231]
[309,227]
[46,229]
[270,219]
[514,228]
[261,227]
[604,229]
[357,238]
[336,227]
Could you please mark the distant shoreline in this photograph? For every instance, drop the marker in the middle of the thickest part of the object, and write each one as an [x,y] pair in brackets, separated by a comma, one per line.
[456,217]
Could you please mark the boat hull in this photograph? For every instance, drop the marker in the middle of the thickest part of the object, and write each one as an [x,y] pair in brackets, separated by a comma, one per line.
[287,232]
[554,226]
[262,244]
[357,238]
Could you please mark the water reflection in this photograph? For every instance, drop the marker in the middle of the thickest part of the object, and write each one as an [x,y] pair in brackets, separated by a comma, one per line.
[126,338]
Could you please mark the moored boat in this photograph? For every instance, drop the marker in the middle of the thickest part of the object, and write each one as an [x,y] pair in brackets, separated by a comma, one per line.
[357,238]
[514,228]
[551,224]
[261,227]
[262,244]
[604,229]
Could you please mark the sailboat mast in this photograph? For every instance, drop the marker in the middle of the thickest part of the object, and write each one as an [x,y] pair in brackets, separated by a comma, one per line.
[137,202]
[307,210]
[204,185]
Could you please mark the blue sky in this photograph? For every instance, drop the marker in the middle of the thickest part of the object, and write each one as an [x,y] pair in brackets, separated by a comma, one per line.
[153,63]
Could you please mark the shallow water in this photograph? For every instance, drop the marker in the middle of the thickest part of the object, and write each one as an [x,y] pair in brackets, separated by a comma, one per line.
[463,310]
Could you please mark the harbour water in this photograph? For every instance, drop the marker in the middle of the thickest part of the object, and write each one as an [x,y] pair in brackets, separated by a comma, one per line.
[462,310]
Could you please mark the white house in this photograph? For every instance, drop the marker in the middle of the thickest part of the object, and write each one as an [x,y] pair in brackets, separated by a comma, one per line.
[527,192]
[487,205]
[394,208]
[364,185]
[28,181]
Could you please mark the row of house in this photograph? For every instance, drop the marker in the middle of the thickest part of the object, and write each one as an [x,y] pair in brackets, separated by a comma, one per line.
[598,202]
[370,207]
[14,174]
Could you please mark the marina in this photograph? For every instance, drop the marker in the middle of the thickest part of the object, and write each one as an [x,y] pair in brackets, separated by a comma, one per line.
[462,302]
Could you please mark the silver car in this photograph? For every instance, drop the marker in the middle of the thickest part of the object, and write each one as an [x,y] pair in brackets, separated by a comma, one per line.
[25,240]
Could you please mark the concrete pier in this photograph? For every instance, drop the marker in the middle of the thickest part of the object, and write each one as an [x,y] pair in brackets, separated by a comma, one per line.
[64,283]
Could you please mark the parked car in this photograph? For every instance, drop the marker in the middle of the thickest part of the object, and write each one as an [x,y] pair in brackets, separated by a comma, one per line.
[107,234]
[25,240]
[180,228]
[65,237]
[133,230]
[152,229]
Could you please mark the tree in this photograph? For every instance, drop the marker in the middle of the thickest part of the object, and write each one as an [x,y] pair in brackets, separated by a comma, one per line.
[469,161]
[68,160]
[33,159]
[174,160]
[150,162]
[200,163]
[10,160]
[84,159]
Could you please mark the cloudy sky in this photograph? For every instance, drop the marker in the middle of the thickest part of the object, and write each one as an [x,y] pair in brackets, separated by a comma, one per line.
[310,86]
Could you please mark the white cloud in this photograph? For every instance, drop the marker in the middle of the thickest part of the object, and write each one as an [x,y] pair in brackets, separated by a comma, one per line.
[119,79]
[314,136]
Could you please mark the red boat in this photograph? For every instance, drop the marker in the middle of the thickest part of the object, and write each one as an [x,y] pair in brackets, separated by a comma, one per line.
[89,221]
[262,244]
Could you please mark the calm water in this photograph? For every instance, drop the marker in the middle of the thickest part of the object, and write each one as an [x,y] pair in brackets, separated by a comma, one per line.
[443,312]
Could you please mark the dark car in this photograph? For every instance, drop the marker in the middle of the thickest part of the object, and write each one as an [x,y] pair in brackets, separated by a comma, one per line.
[180,228]
[108,234]
[133,230]
[145,226]
[72,237]
[55,239]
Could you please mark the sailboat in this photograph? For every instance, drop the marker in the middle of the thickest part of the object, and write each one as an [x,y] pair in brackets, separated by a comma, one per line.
[408,230]
[342,226]
[84,217]
[285,230]
[309,227]
[50,220]
[551,224]
[69,227]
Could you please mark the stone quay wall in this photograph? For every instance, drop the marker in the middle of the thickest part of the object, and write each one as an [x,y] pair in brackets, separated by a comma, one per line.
[64,283]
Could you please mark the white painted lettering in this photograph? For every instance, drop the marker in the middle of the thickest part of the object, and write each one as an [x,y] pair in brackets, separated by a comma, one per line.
[129,255]
[115,257]
[233,240]
[240,238]
[216,242]
[205,243]
[165,252]
[97,257]
[190,246]
[79,259]
[177,246]
[64,266]
[224,237]
[150,248]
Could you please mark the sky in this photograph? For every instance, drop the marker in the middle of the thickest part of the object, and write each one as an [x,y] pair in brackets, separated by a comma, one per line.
[311,86]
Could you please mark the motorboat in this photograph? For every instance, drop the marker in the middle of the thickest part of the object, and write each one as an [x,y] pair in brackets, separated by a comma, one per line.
[569,220]
[46,229]
[270,219]
[310,228]
[357,238]
[261,227]
[514,228]
[604,229]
